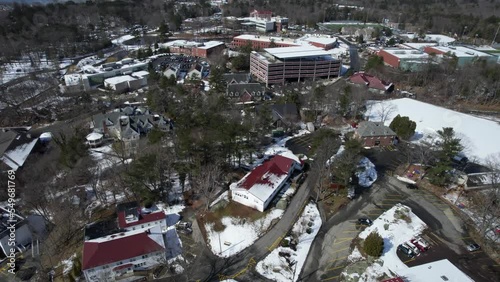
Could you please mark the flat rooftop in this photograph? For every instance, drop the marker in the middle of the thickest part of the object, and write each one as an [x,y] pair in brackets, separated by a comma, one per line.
[211,44]
[406,53]
[296,52]
[266,38]
[418,45]
[119,79]
[461,51]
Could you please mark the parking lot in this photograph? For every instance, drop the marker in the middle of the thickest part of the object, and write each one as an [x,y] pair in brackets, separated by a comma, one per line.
[446,239]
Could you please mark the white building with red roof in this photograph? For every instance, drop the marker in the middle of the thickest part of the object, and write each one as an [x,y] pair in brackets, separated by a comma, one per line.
[116,257]
[137,218]
[258,187]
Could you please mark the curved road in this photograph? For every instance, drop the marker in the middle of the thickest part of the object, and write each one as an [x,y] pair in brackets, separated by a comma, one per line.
[208,267]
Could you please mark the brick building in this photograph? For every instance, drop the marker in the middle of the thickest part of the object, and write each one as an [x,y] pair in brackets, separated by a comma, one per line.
[374,134]
[197,49]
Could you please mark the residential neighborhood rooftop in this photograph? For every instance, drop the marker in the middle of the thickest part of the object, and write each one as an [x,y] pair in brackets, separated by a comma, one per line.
[121,246]
[261,181]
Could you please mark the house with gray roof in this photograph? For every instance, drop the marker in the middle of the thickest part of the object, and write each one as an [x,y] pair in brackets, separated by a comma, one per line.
[128,124]
[375,134]
[236,78]
[246,92]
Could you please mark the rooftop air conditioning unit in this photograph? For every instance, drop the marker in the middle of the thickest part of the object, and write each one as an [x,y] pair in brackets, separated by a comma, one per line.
[470,53]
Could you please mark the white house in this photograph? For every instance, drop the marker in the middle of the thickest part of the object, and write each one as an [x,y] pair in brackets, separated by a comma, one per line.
[258,187]
[137,218]
[118,256]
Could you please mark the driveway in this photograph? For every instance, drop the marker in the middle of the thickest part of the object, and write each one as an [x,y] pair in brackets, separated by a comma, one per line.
[208,267]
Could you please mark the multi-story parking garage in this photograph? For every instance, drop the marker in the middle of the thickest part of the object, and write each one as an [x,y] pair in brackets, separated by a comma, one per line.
[277,65]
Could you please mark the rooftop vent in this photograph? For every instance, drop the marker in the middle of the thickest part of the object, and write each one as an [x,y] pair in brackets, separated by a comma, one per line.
[444,278]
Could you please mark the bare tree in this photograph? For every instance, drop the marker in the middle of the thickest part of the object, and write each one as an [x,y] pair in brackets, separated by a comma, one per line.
[320,168]
[207,181]
[386,109]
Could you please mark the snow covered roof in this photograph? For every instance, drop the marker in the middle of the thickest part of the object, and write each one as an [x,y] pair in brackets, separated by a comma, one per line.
[439,38]
[140,73]
[296,52]
[265,178]
[140,217]
[211,44]
[121,246]
[16,157]
[441,270]
[406,53]
[119,79]
[459,51]
[94,136]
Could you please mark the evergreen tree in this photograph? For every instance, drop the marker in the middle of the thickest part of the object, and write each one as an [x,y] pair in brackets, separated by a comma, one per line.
[403,126]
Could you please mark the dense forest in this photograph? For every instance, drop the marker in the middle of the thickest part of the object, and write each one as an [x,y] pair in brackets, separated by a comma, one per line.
[69,29]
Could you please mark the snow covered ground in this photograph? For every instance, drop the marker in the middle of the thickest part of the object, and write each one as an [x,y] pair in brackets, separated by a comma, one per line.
[277,148]
[122,39]
[394,231]
[106,157]
[23,66]
[479,136]
[463,203]
[238,234]
[276,267]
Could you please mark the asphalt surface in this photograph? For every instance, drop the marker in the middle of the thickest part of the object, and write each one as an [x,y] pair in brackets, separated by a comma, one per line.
[208,267]
[328,255]
[353,55]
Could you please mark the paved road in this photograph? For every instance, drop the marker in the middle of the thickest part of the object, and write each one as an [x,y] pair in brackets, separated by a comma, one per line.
[353,54]
[208,267]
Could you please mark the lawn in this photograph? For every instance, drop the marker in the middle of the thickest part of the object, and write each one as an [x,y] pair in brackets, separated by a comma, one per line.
[234,210]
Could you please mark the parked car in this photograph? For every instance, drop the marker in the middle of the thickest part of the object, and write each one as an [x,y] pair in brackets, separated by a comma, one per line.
[413,247]
[420,241]
[405,249]
[411,186]
[183,225]
[365,221]
[473,247]
[420,247]
[351,193]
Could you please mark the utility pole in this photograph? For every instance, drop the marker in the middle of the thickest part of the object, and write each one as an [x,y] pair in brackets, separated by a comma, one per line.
[496,33]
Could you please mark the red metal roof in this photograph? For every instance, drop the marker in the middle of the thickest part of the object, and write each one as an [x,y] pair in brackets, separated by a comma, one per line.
[395,279]
[143,218]
[278,165]
[106,252]
[370,81]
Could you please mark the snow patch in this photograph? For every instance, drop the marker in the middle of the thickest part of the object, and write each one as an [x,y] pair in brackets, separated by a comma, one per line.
[275,267]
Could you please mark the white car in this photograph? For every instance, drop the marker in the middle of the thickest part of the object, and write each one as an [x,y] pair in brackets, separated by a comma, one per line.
[422,242]
[414,248]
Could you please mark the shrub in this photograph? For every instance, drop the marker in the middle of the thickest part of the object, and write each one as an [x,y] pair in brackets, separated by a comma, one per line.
[373,245]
